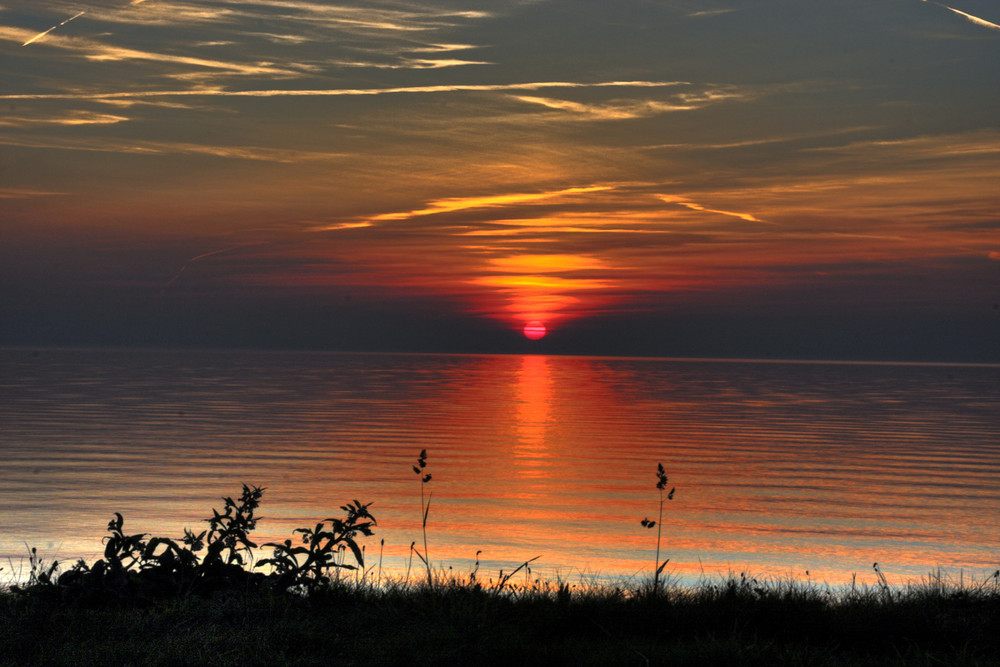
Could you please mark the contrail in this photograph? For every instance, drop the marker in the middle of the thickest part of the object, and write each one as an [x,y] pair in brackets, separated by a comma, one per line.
[969,17]
[974,19]
[200,257]
[42,34]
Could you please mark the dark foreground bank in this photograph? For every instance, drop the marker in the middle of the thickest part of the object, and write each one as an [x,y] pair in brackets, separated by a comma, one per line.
[735,622]
[204,599]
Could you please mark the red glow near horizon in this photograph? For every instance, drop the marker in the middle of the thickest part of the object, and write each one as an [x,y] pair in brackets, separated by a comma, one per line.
[534,330]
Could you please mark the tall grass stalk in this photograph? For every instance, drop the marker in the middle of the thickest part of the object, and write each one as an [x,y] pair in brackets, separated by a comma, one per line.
[661,485]
[425,508]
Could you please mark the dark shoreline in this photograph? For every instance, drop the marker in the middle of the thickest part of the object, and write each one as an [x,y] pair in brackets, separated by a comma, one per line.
[732,622]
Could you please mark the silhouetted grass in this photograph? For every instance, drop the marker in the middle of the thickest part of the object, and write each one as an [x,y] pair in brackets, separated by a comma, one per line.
[734,621]
[199,601]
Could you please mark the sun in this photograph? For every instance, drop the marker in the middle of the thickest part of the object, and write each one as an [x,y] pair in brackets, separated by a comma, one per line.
[534,330]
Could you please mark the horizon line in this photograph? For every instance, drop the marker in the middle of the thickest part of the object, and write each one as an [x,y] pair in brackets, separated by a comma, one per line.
[567,355]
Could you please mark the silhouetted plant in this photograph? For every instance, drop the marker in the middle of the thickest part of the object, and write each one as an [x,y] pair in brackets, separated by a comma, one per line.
[135,568]
[883,583]
[661,485]
[425,508]
[475,571]
[40,574]
[504,578]
[308,565]
[228,536]
[121,551]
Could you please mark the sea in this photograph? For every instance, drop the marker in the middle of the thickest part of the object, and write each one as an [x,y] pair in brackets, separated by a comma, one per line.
[776,470]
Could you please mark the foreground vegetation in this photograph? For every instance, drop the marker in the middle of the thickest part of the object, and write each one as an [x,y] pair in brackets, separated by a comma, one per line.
[203,599]
[735,622]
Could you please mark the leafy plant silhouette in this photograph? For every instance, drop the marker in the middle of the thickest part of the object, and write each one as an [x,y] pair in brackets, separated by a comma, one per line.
[308,565]
[137,569]
[425,508]
[661,485]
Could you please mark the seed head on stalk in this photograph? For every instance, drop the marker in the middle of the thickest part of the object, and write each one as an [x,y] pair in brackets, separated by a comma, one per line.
[425,508]
[661,486]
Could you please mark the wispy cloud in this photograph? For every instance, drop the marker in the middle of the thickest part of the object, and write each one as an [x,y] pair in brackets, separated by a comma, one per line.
[626,109]
[612,111]
[711,12]
[681,201]
[27,193]
[145,147]
[770,140]
[339,92]
[339,226]
[69,118]
[101,52]
[981,142]
[412,63]
[491,201]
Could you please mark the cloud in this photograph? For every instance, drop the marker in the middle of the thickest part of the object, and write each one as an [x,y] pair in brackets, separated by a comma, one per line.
[613,111]
[626,109]
[412,63]
[444,48]
[338,92]
[680,201]
[364,19]
[452,205]
[70,118]
[100,52]
[548,283]
[547,263]
[145,147]
[980,142]
[340,226]
[28,193]
[770,140]
[711,12]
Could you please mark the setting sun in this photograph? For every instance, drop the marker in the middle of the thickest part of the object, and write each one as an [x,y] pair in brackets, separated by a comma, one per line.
[534,330]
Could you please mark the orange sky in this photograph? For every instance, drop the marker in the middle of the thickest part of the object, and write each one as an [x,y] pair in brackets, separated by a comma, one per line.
[303,168]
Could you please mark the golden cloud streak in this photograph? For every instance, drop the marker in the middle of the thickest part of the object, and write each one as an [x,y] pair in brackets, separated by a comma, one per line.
[337,92]
[99,51]
[465,203]
[547,263]
[256,153]
[553,283]
[72,118]
[623,111]
[680,201]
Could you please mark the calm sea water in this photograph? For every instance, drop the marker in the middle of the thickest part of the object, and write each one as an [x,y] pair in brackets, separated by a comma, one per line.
[807,470]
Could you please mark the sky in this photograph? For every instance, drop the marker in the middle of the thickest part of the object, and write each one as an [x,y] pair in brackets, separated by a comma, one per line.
[770,178]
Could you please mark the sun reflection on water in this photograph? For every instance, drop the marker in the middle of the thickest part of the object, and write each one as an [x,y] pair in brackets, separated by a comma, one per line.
[534,407]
